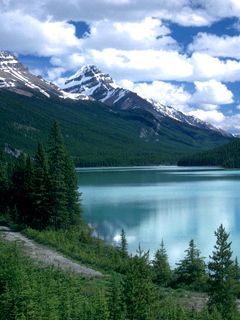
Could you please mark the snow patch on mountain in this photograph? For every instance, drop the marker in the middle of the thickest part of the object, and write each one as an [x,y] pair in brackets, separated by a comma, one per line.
[16,77]
[90,81]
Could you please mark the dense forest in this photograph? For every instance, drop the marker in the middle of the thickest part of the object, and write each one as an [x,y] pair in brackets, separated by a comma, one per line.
[39,196]
[97,135]
[227,156]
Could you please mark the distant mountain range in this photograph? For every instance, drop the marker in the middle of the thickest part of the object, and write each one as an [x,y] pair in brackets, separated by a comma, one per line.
[103,124]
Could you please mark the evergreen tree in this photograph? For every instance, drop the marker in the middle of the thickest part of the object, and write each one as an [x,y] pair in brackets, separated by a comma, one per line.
[4,184]
[138,288]
[72,195]
[41,201]
[22,189]
[57,183]
[123,244]
[116,302]
[191,271]
[222,293]
[100,307]
[161,268]
[65,209]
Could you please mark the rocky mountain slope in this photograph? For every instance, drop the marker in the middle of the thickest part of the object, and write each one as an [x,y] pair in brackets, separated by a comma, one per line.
[90,81]
[15,77]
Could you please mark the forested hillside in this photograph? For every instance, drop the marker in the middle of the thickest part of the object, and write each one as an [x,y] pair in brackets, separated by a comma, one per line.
[227,156]
[97,135]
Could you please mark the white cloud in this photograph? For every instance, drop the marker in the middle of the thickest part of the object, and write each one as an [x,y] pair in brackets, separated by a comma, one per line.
[150,65]
[211,93]
[214,117]
[163,92]
[185,12]
[204,103]
[218,46]
[232,124]
[207,67]
[142,65]
[145,34]
[25,34]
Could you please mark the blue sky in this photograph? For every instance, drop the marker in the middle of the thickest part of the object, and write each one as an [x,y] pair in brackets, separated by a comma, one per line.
[179,52]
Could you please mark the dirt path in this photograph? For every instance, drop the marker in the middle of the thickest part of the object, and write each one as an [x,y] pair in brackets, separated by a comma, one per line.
[44,254]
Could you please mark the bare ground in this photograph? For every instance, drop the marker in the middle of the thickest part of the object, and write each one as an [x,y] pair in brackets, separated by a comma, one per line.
[46,255]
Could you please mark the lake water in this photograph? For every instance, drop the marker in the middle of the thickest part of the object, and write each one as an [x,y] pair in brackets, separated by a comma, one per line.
[169,203]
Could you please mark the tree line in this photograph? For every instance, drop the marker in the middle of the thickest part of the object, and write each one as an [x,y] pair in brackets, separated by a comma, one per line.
[227,156]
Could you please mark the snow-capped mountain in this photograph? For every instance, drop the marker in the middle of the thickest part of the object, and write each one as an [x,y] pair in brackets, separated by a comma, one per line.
[15,77]
[90,81]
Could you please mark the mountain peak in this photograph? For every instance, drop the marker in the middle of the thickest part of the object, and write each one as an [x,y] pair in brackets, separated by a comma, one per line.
[16,77]
[91,81]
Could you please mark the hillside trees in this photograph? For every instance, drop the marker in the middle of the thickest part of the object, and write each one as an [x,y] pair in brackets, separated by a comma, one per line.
[43,189]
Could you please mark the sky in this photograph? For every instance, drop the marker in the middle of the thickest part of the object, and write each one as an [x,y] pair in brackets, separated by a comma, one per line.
[182,53]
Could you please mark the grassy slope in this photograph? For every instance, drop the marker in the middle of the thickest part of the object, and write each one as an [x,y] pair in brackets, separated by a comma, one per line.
[95,135]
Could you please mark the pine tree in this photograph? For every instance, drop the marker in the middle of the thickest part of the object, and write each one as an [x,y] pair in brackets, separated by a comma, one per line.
[4,184]
[138,288]
[222,295]
[100,307]
[116,302]
[58,187]
[41,201]
[191,271]
[72,195]
[65,208]
[161,268]
[22,188]
[123,244]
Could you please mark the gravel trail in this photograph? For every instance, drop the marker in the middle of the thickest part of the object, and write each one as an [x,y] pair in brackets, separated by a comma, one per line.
[46,255]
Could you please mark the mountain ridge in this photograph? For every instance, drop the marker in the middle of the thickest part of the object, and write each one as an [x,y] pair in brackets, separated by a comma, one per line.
[91,81]
[14,76]
[123,133]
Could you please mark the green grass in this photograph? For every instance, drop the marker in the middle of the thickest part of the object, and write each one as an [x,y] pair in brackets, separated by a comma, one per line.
[81,247]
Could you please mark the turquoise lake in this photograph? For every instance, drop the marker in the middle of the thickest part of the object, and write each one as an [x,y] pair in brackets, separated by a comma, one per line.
[169,203]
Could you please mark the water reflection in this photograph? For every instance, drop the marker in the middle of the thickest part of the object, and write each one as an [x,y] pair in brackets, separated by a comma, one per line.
[155,203]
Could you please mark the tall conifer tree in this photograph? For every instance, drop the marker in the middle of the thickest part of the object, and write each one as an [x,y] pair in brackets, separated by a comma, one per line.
[4,184]
[57,183]
[65,209]
[161,267]
[41,201]
[138,288]
[222,295]
[191,271]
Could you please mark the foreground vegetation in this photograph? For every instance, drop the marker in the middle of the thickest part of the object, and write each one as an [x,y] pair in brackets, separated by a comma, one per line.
[140,290]
[39,196]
